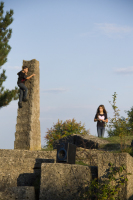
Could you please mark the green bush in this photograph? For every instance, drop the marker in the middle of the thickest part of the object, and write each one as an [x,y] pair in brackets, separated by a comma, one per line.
[60,130]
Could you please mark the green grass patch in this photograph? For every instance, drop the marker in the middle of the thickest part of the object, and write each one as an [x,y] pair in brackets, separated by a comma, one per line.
[48,149]
[117,140]
[80,163]
[115,144]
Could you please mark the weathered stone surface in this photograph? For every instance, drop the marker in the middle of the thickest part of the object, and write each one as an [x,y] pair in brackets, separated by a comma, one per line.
[63,181]
[20,193]
[17,153]
[27,135]
[27,169]
[118,159]
[21,167]
[87,156]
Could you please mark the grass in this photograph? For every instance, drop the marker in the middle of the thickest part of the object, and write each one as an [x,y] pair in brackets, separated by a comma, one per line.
[116,139]
[115,144]
[48,149]
[80,163]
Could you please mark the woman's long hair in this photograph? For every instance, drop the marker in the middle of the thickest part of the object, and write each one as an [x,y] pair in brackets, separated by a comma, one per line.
[98,111]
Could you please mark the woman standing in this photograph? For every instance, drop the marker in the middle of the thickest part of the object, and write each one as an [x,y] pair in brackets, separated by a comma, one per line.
[101,118]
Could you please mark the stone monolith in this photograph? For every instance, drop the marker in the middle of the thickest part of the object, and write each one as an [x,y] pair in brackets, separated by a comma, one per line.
[27,135]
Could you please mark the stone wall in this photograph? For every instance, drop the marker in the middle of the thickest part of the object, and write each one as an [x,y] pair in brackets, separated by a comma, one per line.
[21,169]
[11,153]
[27,135]
[32,173]
[64,180]
[28,162]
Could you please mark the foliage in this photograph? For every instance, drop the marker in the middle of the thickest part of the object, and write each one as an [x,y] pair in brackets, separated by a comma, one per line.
[64,129]
[118,126]
[81,163]
[105,190]
[47,148]
[130,116]
[5,96]
[114,144]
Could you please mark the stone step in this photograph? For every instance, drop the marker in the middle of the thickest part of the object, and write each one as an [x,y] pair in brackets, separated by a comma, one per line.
[12,163]
[20,171]
[27,154]
[20,193]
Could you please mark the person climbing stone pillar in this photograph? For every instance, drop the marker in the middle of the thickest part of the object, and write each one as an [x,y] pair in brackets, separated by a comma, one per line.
[27,135]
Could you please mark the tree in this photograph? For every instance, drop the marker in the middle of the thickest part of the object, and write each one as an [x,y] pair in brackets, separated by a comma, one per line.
[130,116]
[118,126]
[64,129]
[6,96]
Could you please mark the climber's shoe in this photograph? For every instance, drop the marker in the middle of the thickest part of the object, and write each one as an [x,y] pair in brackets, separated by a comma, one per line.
[25,99]
[20,104]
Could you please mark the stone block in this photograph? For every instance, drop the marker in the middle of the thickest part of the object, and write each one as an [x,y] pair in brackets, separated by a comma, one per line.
[63,181]
[18,193]
[126,192]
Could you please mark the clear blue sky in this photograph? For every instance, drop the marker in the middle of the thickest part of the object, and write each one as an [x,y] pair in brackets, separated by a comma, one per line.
[85,52]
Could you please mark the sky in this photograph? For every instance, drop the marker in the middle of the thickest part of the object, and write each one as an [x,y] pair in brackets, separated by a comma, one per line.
[84,49]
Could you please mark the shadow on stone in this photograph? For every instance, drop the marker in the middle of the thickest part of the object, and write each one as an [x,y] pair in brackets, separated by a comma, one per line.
[79,141]
[33,179]
[130,198]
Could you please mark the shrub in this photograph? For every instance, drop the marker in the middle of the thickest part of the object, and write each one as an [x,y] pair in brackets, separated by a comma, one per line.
[105,190]
[60,130]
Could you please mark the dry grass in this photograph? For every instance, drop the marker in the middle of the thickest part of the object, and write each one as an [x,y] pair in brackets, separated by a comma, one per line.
[115,144]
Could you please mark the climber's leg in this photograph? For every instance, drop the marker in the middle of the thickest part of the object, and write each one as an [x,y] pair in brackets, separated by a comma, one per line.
[24,89]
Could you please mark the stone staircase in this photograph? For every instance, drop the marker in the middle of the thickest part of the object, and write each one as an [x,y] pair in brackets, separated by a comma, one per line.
[20,170]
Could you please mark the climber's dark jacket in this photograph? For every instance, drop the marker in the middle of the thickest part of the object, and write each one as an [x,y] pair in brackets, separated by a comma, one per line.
[22,77]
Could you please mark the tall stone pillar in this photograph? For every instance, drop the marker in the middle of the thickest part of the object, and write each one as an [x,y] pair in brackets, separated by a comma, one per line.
[27,135]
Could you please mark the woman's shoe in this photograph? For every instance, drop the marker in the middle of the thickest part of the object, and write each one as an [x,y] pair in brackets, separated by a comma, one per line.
[20,104]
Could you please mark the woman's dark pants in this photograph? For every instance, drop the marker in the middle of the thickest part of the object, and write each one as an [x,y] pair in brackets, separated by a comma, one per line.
[23,91]
[100,131]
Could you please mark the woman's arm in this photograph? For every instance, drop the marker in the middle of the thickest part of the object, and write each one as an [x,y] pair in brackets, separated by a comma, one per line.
[106,120]
[95,120]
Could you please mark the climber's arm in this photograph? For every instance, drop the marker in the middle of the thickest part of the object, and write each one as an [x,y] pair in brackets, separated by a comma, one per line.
[29,77]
